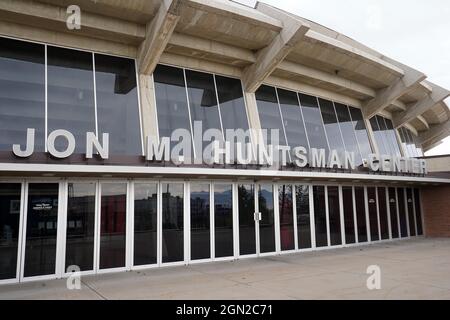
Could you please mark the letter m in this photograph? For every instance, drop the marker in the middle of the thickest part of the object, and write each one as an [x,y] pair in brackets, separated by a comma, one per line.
[158,151]
[318,158]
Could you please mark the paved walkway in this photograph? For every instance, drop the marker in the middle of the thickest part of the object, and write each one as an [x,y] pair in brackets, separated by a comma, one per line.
[415,269]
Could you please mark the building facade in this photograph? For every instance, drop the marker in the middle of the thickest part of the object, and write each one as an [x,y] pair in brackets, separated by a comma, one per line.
[114,137]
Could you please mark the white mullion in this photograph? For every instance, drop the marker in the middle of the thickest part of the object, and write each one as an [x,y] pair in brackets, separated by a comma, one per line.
[366,207]
[405,200]
[388,208]
[129,226]
[159,223]
[312,217]
[341,215]
[187,222]
[276,216]
[355,217]
[255,214]
[327,216]
[414,210]
[397,205]
[96,225]
[61,230]
[294,213]
[236,220]
[24,231]
[380,237]
[212,223]
[218,107]
[46,99]
[21,235]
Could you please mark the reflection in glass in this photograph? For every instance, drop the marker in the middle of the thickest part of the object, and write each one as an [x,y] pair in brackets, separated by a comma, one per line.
[42,224]
[379,137]
[347,129]
[267,223]
[418,212]
[9,226]
[332,126]
[361,132]
[172,222]
[145,224]
[392,136]
[384,219]
[320,218]
[22,93]
[361,214]
[349,220]
[117,104]
[303,217]
[286,217]
[402,212]
[246,203]
[411,217]
[313,122]
[200,222]
[113,225]
[223,220]
[373,215]
[393,212]
[80,225]
[334,216]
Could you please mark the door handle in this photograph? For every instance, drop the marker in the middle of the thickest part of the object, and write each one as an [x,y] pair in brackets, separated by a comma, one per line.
[258,216]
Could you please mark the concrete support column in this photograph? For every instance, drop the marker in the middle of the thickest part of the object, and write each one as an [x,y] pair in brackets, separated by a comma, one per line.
[253,118]
[148,106]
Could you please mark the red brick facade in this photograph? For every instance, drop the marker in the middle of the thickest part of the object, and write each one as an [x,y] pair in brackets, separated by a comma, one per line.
[436,207]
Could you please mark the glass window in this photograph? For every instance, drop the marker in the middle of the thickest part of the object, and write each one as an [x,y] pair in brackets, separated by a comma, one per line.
[334,214]
[293,119]
[402,212]
[389,145]
[10,197]
[411,217]
[384,219]
[361,214]
[331,126]
[313,122]
[200,222]
[42,224]
[286,217]
[361,132]
[117,104]
[392,136]
[113,225]
[223,220]
[267,223]
[145,223]
[349,220]
[379,137]
[373,214]
[71,104]
[22,93]
[347,129]
[80,226]
[246,203]
[320,217]
[410,143]
[393,212]
[418,212]
[403,141]
[303,217]
[172,222]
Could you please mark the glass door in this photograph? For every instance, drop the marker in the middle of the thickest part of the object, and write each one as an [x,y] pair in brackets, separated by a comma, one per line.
[265,219]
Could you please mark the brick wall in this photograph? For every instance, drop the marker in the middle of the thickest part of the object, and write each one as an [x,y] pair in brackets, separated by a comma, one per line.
[436,207]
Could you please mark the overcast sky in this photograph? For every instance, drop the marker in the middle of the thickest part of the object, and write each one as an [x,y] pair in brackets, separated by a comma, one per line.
[414,32]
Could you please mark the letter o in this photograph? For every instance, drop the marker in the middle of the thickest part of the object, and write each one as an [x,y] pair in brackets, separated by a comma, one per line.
[70,143]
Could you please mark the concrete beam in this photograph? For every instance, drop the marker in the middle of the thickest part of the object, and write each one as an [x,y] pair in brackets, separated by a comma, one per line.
[389,95]
[424,121]
[271,56]
[420,107]
[158,33]
[436,133]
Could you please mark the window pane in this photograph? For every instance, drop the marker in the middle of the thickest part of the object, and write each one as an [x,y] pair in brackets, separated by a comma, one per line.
[392,136]
[411,217]
[70,94]
[313,122]
[384,219]
[303,217]
[145,223]
[117,104]
[402,212]
[246,202]
[361,214]
[42,224]
[286,217]
[223,220]
[80,226]
[361,132]
[22,93]
[393,212]
[401,132]
[172,222]
[390,147]
[347,129]
[200,222]
[113,225]
[320,218]
[373,215]
[334,216]
[293,118]
[9,225]
[267,223]
[269,113]
[349,220]
[332,126]
[379,138]
[418,212]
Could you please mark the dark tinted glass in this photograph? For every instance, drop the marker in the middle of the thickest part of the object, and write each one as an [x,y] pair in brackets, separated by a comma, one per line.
[117,104]
[145,224]
[286,217]
[331,126]
[80,226]
[361,214]
[172,222]
[349,220]
[200,222]
[394,213]
[411,216]
[402,212]
[334,216]
[313,122]
[9,224]
[320,218]
[113,225]
[223,220]
[418,212]
[373,214]
[42,224]
[267,223]
[22,93]
[303,217]
[246,203]
[361,132]
[347,129]
[71,103]
[384,219]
